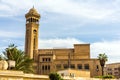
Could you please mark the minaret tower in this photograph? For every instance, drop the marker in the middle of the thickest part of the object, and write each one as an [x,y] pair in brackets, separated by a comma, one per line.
[32,29]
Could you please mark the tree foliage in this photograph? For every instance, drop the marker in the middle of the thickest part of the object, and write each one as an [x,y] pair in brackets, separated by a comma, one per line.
[54,76]
[103,58]
[106,77]
[22,62]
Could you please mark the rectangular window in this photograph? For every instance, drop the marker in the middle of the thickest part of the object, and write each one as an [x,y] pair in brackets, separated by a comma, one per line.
[115,68]
[48,67]
[97,68]
[110,73]
[49,59]
[46,59]
[109,69]
[65,66]
[58,66]
[115,73]
[72,66]
[43,67]
[86,66]
[43,59]
[79,66]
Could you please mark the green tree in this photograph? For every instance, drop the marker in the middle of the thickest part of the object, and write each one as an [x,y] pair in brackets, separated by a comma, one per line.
[102,58]
[54,76]
[22,62]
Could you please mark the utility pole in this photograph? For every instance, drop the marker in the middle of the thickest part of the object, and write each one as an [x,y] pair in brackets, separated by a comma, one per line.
[69,61]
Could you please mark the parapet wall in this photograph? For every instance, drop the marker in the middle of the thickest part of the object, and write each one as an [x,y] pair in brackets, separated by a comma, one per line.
[19,75]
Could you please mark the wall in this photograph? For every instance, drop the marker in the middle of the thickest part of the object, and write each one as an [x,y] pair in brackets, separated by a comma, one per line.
[19,75]
[75,73]
[80,78]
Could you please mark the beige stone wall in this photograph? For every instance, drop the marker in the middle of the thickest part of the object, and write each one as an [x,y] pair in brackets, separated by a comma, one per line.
[80,54]
[91,62]
[19,75]
[112,69]
[82,50]
[74,73]
[81,78]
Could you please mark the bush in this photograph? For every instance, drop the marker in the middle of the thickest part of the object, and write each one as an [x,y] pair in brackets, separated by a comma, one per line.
[54,76]
[108,76]
[98,77]
[105,77]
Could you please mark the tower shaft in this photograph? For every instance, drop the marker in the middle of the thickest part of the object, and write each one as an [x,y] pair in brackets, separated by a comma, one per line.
[32,29]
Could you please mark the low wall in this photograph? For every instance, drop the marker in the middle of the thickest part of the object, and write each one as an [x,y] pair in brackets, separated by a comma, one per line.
[19,75]
[83,78]
[75,73]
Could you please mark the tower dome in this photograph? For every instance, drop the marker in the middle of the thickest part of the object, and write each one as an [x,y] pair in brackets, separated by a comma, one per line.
[32,13]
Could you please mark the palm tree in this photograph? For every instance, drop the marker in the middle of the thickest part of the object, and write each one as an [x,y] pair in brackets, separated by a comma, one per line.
[22,62]
[102,58]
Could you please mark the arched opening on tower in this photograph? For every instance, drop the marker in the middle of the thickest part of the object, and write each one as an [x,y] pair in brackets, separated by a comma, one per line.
[34,41]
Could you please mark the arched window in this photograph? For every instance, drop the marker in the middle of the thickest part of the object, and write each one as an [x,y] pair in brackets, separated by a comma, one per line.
[30,19]
[34,44]
[37,21]
[34,31]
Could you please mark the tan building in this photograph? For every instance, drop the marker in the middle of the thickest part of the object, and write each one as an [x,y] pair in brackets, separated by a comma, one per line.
[53,60]
[113,69]
[74,73]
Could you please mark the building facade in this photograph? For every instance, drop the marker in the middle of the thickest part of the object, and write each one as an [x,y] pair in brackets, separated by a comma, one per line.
[113,69]
[53,60]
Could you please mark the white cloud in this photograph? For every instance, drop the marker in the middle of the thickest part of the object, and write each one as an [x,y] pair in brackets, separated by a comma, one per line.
[14,7]
[89,9]
[111,48]
[9,34]
[58,43]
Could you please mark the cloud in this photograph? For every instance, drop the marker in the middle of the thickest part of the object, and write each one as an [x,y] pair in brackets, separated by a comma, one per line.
[79,11]
[8,34]
[89,9]
[4,42]
[14,8]
[110,48]
[58,43]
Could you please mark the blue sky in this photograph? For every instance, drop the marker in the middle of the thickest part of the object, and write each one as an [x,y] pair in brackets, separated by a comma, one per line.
[64,23]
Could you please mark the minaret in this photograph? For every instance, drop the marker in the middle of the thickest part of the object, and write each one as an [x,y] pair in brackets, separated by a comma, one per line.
[32,29]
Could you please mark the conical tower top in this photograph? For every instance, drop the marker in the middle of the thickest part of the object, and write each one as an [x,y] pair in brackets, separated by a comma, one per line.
[32,13]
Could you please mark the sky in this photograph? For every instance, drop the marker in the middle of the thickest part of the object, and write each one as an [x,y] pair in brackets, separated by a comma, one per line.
[64,23]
